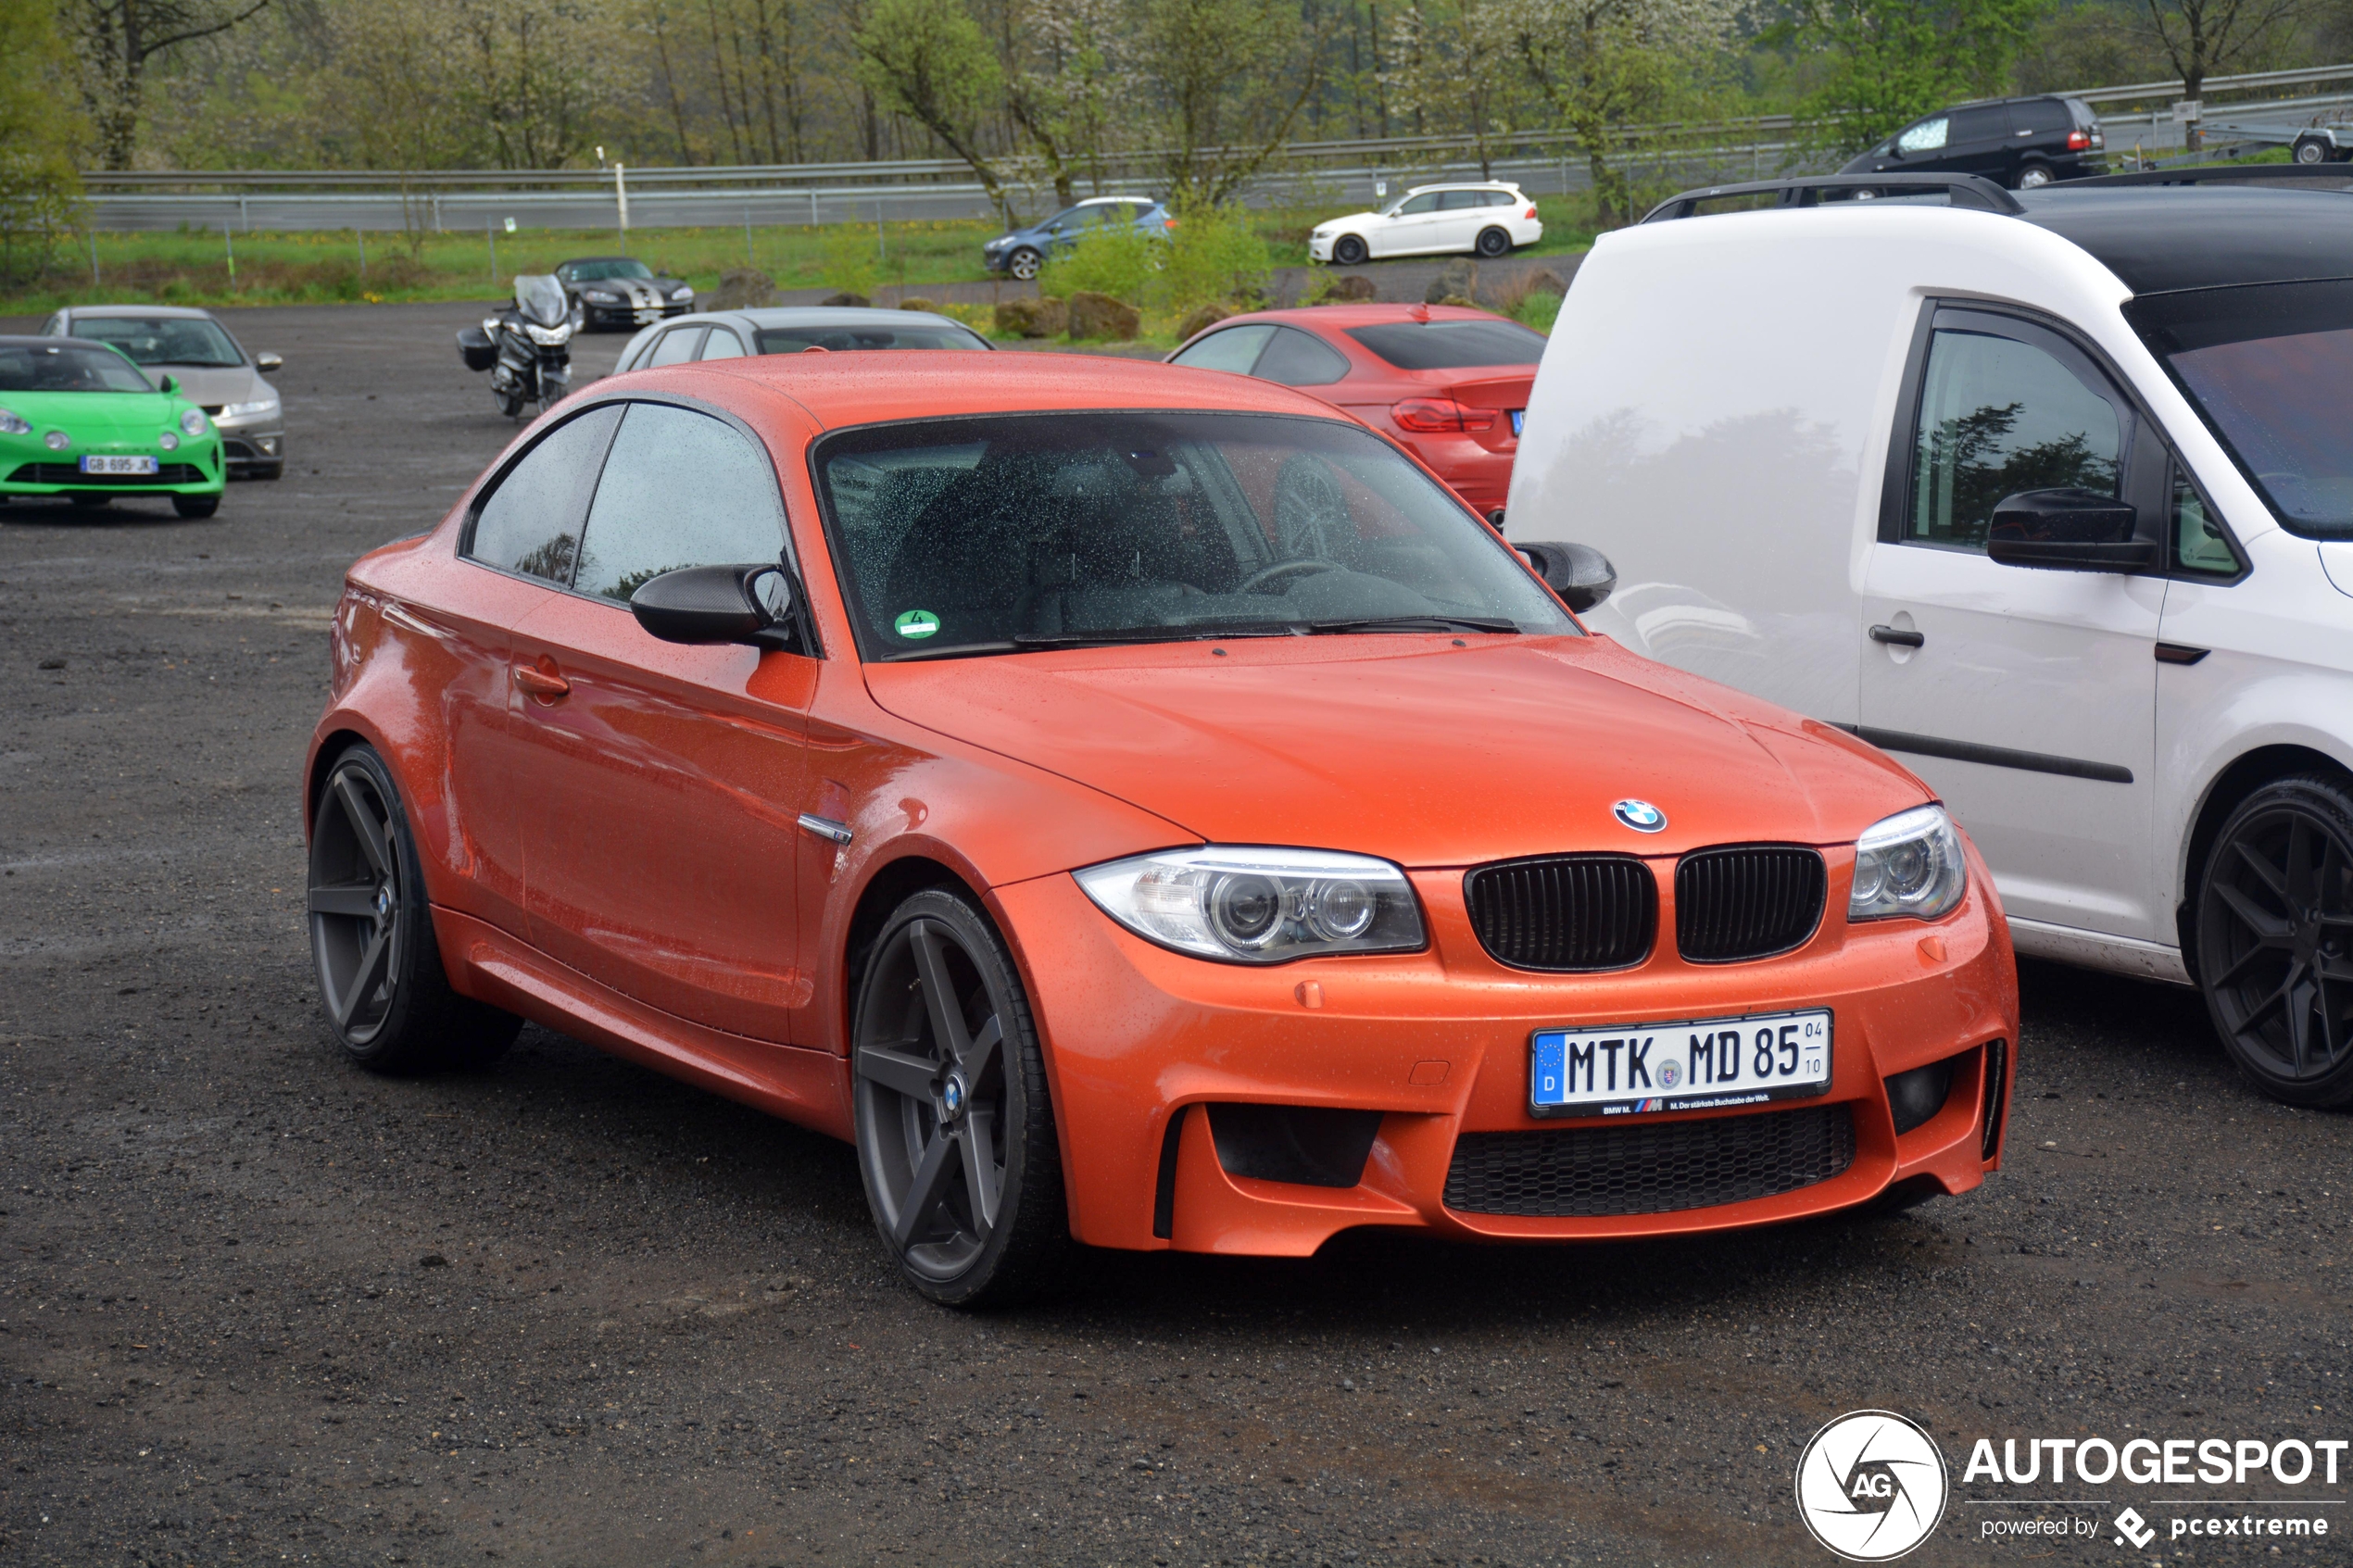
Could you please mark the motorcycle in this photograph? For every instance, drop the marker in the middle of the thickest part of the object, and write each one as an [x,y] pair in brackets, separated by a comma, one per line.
[526,347]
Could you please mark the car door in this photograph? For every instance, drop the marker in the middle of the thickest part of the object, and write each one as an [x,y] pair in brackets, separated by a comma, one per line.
[1410,230]
[2025,697]
[1979,143]
[1460,215]
[662,788]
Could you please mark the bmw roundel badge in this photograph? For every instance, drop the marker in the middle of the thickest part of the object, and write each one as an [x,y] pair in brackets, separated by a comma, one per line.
[1640,815]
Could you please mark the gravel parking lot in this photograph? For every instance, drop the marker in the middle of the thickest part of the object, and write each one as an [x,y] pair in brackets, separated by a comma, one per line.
[256,1306]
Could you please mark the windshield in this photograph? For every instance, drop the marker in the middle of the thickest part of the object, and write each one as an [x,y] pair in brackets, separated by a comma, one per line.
[2270,369]
[541,299]
[919,334]
[1014,532]
[67,366]
[163,340]
[1450,346]
[600,271]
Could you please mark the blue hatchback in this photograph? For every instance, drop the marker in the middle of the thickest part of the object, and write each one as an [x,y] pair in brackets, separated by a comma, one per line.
[1024,251]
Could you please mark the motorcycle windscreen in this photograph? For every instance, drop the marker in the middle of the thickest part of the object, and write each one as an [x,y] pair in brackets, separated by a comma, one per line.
[541,299]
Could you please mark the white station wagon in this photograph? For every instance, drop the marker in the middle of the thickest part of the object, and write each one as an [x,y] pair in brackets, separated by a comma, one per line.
[2051,494]
[1487,220]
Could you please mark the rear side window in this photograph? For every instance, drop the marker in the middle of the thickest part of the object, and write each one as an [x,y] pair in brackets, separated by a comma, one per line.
[1235,349]
[677,346]
[722,345]
[1455,201]
[679,489]
[1998,416]
[1450,346]
[530,523]
[2041,116]
[1981,124]
[1296,358]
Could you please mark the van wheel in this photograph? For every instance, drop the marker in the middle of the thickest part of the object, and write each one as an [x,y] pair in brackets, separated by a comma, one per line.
[955,1130]
[1349,251]
[2033,176]
[2274,934]
[1493,243]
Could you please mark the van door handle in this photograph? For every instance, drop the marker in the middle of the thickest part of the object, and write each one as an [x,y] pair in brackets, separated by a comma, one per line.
[1895,638]
[541,683]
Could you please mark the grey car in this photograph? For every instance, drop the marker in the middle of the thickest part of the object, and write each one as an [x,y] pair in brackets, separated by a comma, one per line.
[1023,251]
[735,334]
[213,370]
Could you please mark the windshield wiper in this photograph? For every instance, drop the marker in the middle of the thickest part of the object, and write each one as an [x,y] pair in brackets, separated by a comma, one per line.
[1412,623]
[1201,631]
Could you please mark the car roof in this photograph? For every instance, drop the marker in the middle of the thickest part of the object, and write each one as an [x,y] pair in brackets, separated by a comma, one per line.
[1464,185]
[44,340]
[2163,238]
[576,260]
[840,390]
[1366,315]
[819,316]
[182,312]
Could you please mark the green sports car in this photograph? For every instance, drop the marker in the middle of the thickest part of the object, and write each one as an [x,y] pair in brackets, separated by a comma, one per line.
[80,420]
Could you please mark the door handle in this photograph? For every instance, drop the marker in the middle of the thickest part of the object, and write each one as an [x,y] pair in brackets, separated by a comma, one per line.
[1895,638]
[541,683]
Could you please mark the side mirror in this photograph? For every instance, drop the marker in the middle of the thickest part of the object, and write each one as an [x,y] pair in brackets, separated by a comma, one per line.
[268,364]
[1580,574]
[719,604]
[2067,531]
[168,387]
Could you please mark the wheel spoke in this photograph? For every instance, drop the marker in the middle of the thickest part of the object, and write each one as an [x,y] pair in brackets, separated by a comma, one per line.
[979,1139]
[2294,972]
[896,1070]
[2272,931]
[982,1052]
[2265,870]
[2299,1023]
[927,1189]
[2247,960]
[363,826]
[939,993]
[357,899]
[366,976]
[2299,863]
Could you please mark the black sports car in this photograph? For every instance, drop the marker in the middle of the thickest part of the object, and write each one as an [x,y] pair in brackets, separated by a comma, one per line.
[614,291]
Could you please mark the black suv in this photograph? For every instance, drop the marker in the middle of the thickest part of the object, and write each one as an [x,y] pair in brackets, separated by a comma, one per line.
[2022,143]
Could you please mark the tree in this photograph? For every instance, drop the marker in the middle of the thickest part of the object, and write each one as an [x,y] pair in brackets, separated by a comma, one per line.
[926,59]
[1450,57]
[2202,37]
[535,72]
[118,38]
[1066,86]
[394,62]
[40,191]
[1887,62]
[1600,64]
[1231,78]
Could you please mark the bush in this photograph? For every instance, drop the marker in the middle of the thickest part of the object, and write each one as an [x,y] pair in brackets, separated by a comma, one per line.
[851,265]
[1538,308]
[1116,260]
[1213,255]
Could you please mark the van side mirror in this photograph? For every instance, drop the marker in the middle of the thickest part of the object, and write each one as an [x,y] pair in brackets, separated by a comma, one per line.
[719,604]
[1580,574]
[268,364]
[2067,530]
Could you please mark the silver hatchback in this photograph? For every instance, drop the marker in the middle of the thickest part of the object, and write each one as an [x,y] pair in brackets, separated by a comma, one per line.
[211,368]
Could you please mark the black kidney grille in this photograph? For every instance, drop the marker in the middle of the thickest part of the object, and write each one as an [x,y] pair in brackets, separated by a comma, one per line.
[1654,1168]
[1565,912]
[1748,901]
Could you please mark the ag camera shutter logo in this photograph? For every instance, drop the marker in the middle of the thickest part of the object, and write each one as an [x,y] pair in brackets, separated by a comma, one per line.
[1871,1486]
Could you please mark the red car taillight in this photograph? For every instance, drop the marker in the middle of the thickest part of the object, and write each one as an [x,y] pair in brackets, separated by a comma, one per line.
[2078,141]
[1439,416]
[1530,212]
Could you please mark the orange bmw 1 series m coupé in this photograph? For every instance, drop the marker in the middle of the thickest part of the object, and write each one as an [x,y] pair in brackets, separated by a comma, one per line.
[1135,806]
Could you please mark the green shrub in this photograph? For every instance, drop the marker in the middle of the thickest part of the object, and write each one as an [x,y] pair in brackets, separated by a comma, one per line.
[850,263]
[1116,260]
[1213,255]
[1538,309]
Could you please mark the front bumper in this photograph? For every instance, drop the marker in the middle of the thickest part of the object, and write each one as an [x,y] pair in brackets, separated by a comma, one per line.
[249,449]
[1435,1045]
[593,315]
[1321,249]
[191,469]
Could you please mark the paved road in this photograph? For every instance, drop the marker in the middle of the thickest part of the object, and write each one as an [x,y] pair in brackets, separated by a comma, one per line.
[258,1306]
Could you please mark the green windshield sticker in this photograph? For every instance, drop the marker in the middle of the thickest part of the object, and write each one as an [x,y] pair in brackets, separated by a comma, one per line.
[917,623]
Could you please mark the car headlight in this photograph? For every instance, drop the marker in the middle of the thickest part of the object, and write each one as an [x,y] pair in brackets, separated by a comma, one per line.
[602,296]
[12,423]
[239,410]
[193,421]
[1908,864]
[57,441]
[1259,906]
[682,292]
[1000,243]
[169,440]
[549,337]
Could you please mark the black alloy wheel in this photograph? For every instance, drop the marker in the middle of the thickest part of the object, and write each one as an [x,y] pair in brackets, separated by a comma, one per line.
[372,940]
[1349,251]
[1025,264]
[2274,937]
[1493,243]
[955,1132]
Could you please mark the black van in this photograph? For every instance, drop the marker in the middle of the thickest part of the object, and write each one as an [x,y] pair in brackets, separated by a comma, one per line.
[2020,142]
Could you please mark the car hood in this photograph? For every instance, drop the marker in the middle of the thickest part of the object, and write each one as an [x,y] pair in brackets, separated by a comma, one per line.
[1350,217]
[213,385]
[95,417]
[1409,747]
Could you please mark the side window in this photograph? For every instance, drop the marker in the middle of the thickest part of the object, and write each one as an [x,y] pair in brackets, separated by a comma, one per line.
[1296,358]
[1234,349]
[2040,118]
[722,345]
[1455,201]
[1928,137]
[530,523]
[1998,416]
[1988,124]
[56,327]
[680,489]
[1501,198]
[2198,542]
[676,346]
[1427,202]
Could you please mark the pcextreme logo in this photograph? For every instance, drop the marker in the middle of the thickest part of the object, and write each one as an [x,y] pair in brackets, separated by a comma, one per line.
[1871,1486]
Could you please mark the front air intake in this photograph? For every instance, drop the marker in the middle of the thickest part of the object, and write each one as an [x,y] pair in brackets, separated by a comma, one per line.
[1565,914]
[1649,1168]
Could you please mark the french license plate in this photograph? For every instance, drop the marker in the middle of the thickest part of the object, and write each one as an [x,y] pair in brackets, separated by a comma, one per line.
[1519,417]
[91,464]
[1633,1068]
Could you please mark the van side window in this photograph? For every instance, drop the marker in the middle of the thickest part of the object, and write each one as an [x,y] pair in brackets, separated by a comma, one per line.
[1997,416]
[1926,137]
[2198,542]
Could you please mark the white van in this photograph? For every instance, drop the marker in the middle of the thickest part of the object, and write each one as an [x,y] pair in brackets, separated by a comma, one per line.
[2048,492]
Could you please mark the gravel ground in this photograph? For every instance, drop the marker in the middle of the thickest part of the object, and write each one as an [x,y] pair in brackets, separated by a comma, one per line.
[256,1306]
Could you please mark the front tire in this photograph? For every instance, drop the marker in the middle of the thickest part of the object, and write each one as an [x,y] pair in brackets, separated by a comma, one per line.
[955,1129]
[2274,934]
[388,1002]
[1349,251]
[1025,264]
[1493,243]
[196,506]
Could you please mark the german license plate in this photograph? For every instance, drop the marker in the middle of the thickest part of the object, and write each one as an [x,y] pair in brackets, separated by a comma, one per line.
[92,464]
[1519,417]
[1629,1069]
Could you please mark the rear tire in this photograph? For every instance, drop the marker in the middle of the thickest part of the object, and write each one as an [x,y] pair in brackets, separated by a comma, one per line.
[2033,176]
[956,1139]
[196,506]
[388,1002]
[1349,251]
[1493,243]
